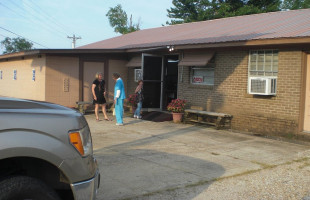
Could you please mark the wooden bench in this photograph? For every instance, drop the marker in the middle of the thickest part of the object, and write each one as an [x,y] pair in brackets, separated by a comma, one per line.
[219,120]
[80,105]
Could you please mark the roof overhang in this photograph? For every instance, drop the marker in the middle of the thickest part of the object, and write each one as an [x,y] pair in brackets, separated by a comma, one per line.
[249,43]
[60,51]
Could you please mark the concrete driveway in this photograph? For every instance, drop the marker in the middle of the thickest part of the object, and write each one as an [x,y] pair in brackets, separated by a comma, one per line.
[164,160]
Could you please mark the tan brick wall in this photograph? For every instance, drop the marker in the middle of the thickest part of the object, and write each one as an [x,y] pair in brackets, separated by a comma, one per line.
[118,66]
[58,70]
[259,114]
[23,87]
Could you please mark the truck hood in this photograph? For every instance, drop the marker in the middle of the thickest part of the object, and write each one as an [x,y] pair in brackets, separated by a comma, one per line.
[12,109]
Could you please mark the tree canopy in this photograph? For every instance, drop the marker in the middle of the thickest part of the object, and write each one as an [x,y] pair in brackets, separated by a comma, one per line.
[184,11]
[295,4]
[15,45]
[119,21]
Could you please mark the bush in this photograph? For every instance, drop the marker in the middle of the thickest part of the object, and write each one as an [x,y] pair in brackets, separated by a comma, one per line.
[177,106]
[132,100]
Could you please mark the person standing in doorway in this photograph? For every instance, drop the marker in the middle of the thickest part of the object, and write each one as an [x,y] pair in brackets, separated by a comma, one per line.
[139,93]
[98,91]
[119,96]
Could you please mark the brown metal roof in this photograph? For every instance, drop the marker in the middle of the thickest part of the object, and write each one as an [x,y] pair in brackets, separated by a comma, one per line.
[275,25]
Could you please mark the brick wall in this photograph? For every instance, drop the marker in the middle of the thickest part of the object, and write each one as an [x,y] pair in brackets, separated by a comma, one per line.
[259,114]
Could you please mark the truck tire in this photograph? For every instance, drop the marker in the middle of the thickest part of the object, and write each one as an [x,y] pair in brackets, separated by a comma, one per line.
[24,187]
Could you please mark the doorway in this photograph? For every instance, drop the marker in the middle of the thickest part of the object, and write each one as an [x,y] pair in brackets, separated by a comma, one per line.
[152,80]
[170,89]
[160,76]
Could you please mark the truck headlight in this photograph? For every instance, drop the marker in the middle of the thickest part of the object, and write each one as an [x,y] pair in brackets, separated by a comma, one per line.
[81,140]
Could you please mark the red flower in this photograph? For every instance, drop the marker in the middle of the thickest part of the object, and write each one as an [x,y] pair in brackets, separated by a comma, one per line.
[176,106]
[132,99]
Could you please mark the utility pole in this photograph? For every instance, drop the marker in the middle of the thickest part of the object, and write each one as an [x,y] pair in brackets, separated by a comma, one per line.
[73,40]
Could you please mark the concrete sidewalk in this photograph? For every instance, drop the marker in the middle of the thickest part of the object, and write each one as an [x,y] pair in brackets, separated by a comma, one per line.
[163,160]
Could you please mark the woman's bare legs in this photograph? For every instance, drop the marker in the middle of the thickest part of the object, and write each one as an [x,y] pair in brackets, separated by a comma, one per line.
[104,111]
[97,111]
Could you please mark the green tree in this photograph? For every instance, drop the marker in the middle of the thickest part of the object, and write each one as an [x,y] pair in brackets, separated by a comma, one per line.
[119,21]
[295,4]
[15,45]
[184,11]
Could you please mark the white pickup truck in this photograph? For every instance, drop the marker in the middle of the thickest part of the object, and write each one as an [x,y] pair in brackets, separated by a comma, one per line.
[46,152]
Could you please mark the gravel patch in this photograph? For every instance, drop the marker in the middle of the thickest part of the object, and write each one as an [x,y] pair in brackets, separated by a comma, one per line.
[288,181]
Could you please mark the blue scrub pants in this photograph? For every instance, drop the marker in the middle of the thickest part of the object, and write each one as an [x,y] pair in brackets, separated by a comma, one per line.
[119,110]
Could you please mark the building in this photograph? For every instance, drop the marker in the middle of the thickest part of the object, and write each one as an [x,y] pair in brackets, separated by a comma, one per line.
[254,67]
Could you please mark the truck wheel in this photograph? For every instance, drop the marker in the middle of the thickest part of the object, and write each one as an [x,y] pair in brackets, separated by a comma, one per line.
[24,187]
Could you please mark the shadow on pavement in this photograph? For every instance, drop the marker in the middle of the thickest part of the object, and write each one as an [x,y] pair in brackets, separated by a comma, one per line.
[131,171]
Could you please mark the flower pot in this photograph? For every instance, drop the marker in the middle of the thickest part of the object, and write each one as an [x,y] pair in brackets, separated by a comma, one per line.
[177,117]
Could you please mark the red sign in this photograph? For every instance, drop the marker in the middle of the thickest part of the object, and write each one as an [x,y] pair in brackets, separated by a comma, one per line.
[197,79]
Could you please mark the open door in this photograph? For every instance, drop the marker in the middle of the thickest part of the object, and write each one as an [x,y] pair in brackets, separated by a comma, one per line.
[152,68]
[170,86]
[307,101]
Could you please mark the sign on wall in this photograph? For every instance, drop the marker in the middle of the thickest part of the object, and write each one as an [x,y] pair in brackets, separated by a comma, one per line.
[197,79]
[138,74]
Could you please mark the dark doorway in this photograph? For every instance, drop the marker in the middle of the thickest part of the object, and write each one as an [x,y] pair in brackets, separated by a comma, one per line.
[170,90]
[152,73]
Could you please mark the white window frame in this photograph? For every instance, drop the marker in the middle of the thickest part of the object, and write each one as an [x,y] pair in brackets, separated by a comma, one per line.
[209,67]
[264,73]
[261,71]
[138,75]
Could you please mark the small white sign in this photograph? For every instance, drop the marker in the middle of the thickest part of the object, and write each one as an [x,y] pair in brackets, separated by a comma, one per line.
[197,79]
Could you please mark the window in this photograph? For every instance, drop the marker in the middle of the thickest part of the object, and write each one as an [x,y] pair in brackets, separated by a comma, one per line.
[138,75]
[14,74]
[203,75]
[1,73]
[33,74]
[263,72]
[263,63]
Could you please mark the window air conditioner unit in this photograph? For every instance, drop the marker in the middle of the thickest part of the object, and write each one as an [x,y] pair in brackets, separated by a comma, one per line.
[263,85]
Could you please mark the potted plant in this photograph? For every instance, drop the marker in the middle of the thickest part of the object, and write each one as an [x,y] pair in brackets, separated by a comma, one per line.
[177,107]
[132,102]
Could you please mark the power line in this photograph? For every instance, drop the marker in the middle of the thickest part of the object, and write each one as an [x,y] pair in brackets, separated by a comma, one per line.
[23,37]
[4,35]
[49,17]
[43,25]
[11,10]
[35,11]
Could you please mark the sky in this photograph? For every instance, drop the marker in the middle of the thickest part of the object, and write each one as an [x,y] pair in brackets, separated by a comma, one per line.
[48,23]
